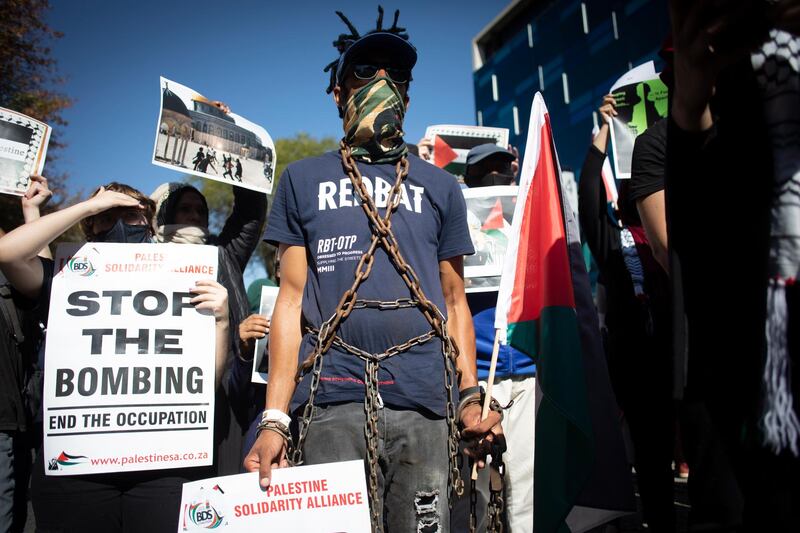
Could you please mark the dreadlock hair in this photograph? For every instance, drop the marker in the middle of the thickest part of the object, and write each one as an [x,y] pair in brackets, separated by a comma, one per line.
[346,40]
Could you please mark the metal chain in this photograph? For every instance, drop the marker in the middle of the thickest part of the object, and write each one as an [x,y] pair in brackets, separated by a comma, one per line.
[400,303]
[473,503]
[371,403]
[378,357]
[494,514]
[382,236]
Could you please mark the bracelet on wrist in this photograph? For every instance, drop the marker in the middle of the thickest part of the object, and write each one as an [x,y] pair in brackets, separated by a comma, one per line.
[276,415]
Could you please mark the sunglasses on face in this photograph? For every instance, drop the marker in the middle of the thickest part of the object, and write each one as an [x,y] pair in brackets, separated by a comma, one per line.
[367,72]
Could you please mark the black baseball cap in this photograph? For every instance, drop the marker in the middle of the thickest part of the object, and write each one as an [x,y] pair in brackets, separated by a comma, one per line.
[482,151]
[380,47]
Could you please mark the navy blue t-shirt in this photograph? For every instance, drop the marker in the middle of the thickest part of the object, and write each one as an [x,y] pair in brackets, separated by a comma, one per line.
[315,207]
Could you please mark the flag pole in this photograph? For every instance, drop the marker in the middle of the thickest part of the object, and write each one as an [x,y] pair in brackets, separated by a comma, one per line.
[487,400]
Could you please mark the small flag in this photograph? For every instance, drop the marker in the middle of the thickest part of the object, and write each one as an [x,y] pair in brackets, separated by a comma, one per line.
[495,220]
[443,155]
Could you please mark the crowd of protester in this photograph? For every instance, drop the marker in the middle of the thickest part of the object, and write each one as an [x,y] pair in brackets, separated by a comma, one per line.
[697,263]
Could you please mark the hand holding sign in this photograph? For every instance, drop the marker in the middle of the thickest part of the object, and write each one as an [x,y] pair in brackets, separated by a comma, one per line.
[211,296]
[37,195]
[267,453]
[253,327]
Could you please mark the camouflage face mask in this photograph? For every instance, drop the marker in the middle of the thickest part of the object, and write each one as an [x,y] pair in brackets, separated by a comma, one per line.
[373,122]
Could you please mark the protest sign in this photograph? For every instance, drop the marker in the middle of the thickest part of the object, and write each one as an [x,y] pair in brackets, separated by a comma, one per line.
[451,144]
[129,379]
[489,214]
[312,499]
[203,137]
[260,358]
[641,100]
[23,147]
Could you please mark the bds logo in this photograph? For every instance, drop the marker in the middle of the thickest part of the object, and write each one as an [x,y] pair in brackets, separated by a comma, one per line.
[81,266]
[203,515]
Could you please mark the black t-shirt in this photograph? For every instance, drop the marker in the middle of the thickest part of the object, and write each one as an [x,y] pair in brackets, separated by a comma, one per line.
[647,171]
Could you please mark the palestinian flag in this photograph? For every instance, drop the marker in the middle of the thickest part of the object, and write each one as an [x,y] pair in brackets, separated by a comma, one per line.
[607,175]
[450,151]
[443,155]
[545,309]
[65,459]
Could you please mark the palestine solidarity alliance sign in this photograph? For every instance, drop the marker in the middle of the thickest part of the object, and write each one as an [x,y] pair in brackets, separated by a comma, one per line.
[129,380]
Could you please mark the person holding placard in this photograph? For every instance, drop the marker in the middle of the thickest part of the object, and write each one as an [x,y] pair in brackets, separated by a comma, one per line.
[20,401]
[407,389]
[637,325]
[182,217]
[129,501]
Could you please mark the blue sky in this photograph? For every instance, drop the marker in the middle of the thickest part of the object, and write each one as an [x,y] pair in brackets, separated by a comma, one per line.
[263,58]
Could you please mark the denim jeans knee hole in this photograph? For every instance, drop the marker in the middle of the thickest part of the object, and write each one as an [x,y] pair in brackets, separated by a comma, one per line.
[425,505]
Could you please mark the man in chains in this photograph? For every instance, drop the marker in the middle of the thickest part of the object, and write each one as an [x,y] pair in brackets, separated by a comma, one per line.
[372,304]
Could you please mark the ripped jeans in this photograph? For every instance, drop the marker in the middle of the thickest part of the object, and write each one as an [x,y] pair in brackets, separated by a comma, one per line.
[412,460]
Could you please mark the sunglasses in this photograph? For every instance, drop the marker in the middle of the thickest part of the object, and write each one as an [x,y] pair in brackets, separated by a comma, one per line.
[367,72]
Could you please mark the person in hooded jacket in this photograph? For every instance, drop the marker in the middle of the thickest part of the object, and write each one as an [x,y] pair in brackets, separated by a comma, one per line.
[182,217]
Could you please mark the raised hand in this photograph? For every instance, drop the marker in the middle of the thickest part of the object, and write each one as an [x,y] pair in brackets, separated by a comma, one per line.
[425,146]
[37,195]
[608,109]
[105,200]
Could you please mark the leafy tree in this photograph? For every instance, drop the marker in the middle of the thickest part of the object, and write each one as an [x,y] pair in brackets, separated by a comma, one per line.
[219,195]
[29,84]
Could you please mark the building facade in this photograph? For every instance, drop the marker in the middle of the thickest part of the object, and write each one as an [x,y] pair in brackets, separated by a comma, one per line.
[571,51]
[213,127]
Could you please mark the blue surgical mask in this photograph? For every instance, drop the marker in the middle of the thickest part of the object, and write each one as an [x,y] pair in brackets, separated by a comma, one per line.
[127,233]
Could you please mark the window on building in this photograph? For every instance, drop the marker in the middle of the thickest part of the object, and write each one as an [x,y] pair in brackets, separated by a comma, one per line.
[614,25]
[480,118]
[584,18]
[565,83]
[516,120]
[530,36]
[495,95]
[541,78]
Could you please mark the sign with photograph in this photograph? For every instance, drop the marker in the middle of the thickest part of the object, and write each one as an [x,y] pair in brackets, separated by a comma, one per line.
[129,379]
[489,214]
[261,358]
[452,143]
[312,499]
[641,100]
[23,148]
[199,136]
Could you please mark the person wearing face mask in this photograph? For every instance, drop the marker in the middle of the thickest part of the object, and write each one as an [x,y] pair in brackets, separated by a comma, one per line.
[489,164]
[181,217]
[318,220]
[130,501]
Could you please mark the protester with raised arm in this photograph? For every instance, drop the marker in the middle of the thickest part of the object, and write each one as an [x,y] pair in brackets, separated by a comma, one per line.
[125,501]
